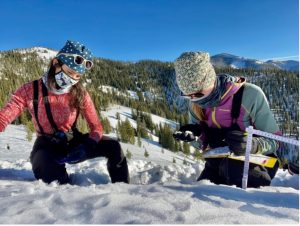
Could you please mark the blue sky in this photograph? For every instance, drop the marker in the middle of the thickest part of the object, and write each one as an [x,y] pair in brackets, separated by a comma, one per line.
[132,30]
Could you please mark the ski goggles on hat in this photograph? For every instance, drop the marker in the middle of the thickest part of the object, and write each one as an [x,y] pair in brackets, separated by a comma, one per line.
[79,60]
[193,97]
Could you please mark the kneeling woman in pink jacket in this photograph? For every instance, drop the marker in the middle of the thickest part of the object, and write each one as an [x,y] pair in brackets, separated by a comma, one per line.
[55,101]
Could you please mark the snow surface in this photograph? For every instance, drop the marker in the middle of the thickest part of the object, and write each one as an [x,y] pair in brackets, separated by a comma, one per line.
[125,112]
[160,192]
[128,93]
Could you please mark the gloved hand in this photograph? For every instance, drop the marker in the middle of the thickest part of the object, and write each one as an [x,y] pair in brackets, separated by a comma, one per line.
[293,169]
[288,155]
[79,153]
[188,132]
[196,129]
[186,136]
[237,141]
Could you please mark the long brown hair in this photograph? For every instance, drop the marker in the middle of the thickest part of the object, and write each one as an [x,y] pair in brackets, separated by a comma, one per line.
[77,91]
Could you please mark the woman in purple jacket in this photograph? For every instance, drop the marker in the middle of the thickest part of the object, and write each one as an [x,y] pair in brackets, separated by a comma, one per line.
[220,109]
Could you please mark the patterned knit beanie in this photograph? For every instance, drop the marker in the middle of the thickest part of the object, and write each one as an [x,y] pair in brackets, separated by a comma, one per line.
[69,51]
[194,72]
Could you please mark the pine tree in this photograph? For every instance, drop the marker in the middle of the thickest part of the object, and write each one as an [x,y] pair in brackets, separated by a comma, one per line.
[126,132]
[29,135]
[140,96]
[176,146]
[134,114]
[141,129]
[118,116]
[118,130]
[29,129]
[106,125]
[139,140]
[128,154]
[186,148]
[166,138]
[197,155]
[146,153]
[82,125]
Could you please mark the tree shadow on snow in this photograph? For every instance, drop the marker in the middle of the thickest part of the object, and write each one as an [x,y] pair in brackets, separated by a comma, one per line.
[78,178]
[16,175]
[250,198]
[151,142]
[126,114]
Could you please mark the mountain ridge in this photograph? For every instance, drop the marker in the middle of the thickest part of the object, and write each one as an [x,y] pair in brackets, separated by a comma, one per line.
[219,60]
[229,60]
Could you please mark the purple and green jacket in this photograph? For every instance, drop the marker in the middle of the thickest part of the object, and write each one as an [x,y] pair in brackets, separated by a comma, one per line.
[255,111]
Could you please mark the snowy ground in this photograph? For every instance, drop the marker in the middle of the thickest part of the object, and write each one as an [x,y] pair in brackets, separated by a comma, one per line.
[125,112]
[161,192]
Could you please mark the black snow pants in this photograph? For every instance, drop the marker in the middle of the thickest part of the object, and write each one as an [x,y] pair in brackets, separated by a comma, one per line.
[230,172]
[45,154]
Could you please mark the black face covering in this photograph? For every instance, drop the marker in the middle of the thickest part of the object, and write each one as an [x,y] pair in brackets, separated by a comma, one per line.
[214,98]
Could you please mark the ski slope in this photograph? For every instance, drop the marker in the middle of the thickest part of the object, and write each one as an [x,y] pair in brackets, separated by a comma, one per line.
[160,192]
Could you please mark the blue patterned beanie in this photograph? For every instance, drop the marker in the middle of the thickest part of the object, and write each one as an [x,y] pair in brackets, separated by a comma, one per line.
[74,48]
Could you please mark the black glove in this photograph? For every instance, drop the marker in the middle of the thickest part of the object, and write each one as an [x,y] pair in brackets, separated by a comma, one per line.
[196,129]
[186,136]
[237,141]
[293,169]
[79,153]
[188,132]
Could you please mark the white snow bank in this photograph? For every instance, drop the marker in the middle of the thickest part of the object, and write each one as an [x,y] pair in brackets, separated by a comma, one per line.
[160,193]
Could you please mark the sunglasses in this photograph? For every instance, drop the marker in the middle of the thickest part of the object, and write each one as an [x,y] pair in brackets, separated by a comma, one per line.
[193,97]
[79,60]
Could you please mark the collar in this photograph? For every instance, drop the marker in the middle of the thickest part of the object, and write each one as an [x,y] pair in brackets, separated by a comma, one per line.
[232,88]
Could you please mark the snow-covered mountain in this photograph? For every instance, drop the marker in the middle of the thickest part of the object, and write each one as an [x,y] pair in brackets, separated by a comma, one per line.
[289,65]
[229,60]
[161,192]
[44,53]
